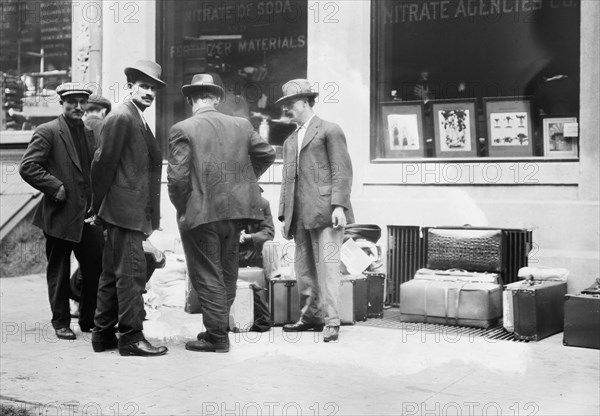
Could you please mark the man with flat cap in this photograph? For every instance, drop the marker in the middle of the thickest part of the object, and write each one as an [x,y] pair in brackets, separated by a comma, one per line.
[96,110]
[126,198]
[315,207]
[215,161]
[57,163]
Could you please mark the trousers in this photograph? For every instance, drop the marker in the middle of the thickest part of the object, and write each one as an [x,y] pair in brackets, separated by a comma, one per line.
[317,267]
[121,286]
[88,252]
[211,252]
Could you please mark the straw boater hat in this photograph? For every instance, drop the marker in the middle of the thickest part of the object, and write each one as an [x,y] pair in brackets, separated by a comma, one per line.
[203,82]
[148,68]
[296,88]
[72,88]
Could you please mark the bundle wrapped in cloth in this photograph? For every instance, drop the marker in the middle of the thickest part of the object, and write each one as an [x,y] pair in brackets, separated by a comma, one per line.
[543,274]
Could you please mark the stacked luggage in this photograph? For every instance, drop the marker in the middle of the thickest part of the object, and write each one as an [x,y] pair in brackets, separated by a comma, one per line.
[582,318]
[462,283]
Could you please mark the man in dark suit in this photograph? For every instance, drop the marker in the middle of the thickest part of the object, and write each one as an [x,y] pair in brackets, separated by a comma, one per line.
[96,111]
[126,182]
[57,162]
[215,161]
[315,207]
[254,236]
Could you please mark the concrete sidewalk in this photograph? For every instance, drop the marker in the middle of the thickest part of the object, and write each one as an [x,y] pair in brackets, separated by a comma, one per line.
[374,371]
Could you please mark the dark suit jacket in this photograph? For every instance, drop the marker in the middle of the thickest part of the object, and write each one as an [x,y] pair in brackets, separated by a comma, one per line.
[324,178]
[51,160]
[251,251]
[214,163]
[94,123]
[126,172]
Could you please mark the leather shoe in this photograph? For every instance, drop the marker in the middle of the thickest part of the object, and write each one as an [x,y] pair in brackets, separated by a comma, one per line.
[331,334]
[104,345]
[65,333]
[303,326]
[204,345]
[143,349]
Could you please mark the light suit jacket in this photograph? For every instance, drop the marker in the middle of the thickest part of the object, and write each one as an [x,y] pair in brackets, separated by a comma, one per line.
[317,181]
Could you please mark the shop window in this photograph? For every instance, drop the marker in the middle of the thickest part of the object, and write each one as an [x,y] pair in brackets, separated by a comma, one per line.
[253,46]
[35,57]
[475,79]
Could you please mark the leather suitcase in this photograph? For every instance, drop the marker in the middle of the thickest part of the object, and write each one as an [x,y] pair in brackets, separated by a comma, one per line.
[241,315]
[284,301]
[375,294]
[582,320]
[451,303]
[538,309]
[346,312]
[455,275]
[252,275]
[353,298]
[478,250]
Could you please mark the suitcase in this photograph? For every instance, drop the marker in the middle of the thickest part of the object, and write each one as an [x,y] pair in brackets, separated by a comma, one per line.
[353,298]
[582,320]
[456,275]
[479,250]
[451,303]
[252,275]
[538,309]
[375,294]
[346,312]
[284,301]
[241,314]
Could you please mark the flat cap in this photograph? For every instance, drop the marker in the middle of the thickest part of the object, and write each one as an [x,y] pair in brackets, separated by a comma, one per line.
[100,101]
[72,88]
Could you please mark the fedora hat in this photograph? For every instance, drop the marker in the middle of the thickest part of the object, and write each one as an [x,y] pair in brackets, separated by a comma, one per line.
[72,88]
[148,68]
[296,88]
[203,82]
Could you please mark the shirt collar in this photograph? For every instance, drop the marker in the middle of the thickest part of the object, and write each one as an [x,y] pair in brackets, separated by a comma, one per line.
[305,125]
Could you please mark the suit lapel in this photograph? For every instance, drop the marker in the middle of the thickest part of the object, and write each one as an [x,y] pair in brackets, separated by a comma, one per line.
[311,131]
[65,135]
[151,143]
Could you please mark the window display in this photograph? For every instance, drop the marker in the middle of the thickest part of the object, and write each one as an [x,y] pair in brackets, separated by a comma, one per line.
[35,57]
[251,46]
[515,61]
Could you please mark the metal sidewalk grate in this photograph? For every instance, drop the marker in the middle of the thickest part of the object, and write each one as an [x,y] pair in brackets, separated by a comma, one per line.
[391,319]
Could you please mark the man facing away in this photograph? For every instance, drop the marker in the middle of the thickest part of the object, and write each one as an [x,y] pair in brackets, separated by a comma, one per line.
[315,207]
[57,163]
[214,163]
[126,198]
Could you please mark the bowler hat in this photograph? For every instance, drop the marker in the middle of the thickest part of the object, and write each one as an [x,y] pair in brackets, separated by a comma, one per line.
[99,101]
[296,88]
[148,68]
[203,82]
[72,88]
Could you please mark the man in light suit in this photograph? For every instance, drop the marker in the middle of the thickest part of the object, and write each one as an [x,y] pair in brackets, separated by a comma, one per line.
[57,163]
[315,207]
[215,161]
[126,198]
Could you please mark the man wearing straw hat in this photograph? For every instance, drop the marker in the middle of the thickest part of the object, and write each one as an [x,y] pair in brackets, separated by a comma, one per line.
[126,198]
[215,161]
[315,207]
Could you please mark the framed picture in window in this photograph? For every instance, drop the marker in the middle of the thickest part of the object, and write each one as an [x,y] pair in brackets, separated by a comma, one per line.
[560,137]
[402,129]
[454,127]
[508,127]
